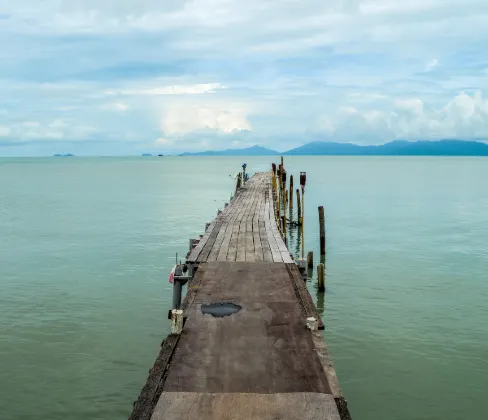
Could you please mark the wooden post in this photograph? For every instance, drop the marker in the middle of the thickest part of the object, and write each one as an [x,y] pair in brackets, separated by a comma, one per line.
[322,231]
[278,206]
[312,323]
[303,223]
[283,183]
[290,198]
[238,184]
[321,277]
[310,259]
[299,207]
[176,321]
[303,181]
[284,214]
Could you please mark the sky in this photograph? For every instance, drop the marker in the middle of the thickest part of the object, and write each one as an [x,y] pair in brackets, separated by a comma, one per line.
[124,77]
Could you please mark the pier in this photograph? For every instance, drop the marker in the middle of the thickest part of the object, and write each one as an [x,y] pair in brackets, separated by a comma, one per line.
[246,340]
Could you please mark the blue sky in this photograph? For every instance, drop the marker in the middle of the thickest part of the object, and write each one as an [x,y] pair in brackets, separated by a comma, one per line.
[120,77]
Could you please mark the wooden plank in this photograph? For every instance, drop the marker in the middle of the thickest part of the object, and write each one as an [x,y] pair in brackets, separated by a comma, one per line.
[258,248]
[245,406]
[218,243]
[210,242]
[241,243]
[267,255]
[250,255]
[232,252]
[224,248]
[198,249]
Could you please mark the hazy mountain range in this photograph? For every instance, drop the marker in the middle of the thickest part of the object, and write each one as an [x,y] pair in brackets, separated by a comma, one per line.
[394,148]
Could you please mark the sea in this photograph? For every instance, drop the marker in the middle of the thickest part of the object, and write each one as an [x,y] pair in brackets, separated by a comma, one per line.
[86,246]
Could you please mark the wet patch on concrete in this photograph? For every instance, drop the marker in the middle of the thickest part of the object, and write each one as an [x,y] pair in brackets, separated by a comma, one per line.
[220,309]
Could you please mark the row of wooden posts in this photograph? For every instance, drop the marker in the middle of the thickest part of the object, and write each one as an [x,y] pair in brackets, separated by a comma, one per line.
[284,200]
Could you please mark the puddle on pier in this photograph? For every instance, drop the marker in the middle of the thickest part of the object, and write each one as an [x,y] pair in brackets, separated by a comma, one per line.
[220,310]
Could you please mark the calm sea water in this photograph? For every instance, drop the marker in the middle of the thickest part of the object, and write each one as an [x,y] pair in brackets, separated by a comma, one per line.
[86,245]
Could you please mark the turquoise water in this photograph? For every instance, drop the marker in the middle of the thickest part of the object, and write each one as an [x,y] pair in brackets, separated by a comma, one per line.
[86,245]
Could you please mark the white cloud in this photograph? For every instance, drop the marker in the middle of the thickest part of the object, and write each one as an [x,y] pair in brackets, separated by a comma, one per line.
[340,62]
[115,106]
[183,118]
[53,130]
[463,117]
[366,97]
[414,107]
[194,89]
[431,64]
[163,142]
[4,131]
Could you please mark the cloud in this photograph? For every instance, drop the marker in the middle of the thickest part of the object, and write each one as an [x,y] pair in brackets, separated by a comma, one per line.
[183,119]
[115,106]
[366,97]
[160,142]
[56,130]
[463,117]
[213,72]
[4,131]
[431,65]
[195,89]
[411,107]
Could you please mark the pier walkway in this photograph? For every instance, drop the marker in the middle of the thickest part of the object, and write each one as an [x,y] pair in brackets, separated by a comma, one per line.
[245,351]
[246,230]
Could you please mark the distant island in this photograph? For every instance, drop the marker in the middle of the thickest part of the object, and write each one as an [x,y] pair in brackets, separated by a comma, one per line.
[394,148]
[146,154]
[63,155]
[249,151]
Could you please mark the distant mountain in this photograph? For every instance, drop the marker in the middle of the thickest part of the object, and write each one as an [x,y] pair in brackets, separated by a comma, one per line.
[249,151]
[395,148]
[63,155]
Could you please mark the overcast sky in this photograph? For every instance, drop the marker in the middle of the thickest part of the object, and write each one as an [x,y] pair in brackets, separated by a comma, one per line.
[130,76]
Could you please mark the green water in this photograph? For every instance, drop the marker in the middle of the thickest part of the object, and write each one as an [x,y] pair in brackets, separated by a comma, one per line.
[86,245]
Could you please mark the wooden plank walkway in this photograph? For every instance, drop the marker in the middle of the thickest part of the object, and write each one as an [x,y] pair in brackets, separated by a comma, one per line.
[246,230]
[259,362]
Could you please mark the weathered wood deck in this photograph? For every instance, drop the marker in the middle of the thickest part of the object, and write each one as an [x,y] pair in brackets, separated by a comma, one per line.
[246,230]
[260,362]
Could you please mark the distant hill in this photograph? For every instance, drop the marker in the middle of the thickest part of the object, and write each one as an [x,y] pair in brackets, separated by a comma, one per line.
[395,148]
[63,155]
[249,151]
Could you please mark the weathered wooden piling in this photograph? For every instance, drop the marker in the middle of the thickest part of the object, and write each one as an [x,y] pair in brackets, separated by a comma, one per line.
[283,180]
[176,321]
[290,197]
[303,180]
[244,165]
[310,259]
[238,183]
[299,208]
[322,231]
[321,277]
[245,294]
